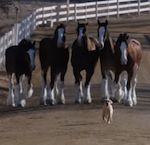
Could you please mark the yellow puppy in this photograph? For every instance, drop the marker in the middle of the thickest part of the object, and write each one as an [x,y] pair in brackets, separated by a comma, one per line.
[107,113]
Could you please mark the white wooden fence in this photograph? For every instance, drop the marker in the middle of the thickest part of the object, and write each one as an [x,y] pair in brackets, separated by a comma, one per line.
[69,12]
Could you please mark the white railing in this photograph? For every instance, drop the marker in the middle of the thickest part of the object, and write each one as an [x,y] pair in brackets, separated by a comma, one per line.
[69,12]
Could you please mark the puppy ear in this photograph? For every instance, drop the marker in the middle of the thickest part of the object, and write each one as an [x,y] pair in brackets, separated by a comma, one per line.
[111,102]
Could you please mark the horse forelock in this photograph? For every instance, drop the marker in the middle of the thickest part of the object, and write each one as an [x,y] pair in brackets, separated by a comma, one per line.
[59,37]
[81,34]
[103,35]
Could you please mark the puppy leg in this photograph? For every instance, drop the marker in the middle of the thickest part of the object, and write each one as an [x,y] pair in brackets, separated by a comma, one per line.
[104,118]
[109,119]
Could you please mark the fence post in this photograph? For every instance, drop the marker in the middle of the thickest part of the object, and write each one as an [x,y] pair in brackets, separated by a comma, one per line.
[149,6]
[75,12]
[129,8]
[43,16]
[96,10]
[57,11]
[16,33]
[108,10]
[117,8]
[68,10]
[85,12]
[139,7]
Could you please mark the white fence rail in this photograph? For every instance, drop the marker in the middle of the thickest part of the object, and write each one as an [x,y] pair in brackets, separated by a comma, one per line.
[69,12]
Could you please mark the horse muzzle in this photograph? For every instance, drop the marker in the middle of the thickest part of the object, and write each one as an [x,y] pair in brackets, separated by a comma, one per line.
[124,62]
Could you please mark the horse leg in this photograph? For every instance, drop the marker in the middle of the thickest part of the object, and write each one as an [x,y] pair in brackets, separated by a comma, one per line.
[111,88]
[124,86]
[133,87]
[104,86]
[118,92]
[60,85]
[10,98]
[128,101]
[87,94]
[29,87]
[78,86]
[20,101]
[51,95]
[43,96]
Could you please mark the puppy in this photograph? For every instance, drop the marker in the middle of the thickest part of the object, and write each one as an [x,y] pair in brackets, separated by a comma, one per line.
[107,113]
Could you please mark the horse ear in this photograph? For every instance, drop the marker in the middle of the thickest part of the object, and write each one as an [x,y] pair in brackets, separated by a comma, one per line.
[86,23]
[106,22]
[34,43]
[120,35]
[98,22]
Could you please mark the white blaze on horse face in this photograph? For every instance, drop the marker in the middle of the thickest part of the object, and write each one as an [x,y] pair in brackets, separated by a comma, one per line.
[123,53]
[80,34]
[31,53]
[60,37]
[101,36]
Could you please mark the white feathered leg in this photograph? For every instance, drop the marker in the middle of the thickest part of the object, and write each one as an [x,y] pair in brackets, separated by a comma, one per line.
[133,91]
[78,92]
[20,100]
[134,82]
[60,95]
[119,93]
[104,89]
[51,96]
[10,98]
[43,96]
[29,90]
[124,86]
[87,95]
[129,101]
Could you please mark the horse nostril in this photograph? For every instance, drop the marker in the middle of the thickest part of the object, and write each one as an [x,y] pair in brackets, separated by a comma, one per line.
[124,62]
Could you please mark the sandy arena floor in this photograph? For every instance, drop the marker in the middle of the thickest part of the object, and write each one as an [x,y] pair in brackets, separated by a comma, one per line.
[81,124]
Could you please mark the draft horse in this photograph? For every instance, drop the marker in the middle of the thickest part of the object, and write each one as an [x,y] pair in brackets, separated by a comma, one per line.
[128,55]
[106,60]
[85,54]
[123,55]
[54,53]
[20,60]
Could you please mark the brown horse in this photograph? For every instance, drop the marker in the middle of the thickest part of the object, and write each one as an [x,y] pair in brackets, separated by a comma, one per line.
[123,55]
[54,53]
[85,54]
[128,55]
[106,60]
[20,60]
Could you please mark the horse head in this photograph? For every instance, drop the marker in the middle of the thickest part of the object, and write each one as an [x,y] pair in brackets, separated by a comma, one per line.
[121,47]
[60,36]
[102,32]
[27,47]
[81,32]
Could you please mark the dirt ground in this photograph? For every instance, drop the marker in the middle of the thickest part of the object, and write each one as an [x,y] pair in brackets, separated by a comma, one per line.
[81,124]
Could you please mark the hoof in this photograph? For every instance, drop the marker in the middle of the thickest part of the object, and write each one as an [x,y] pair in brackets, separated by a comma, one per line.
[43,103]
[134,102]
[52,102]
[78,101]
[87,101]
[128,103]
[61,102]
[122,101]
[23,103]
